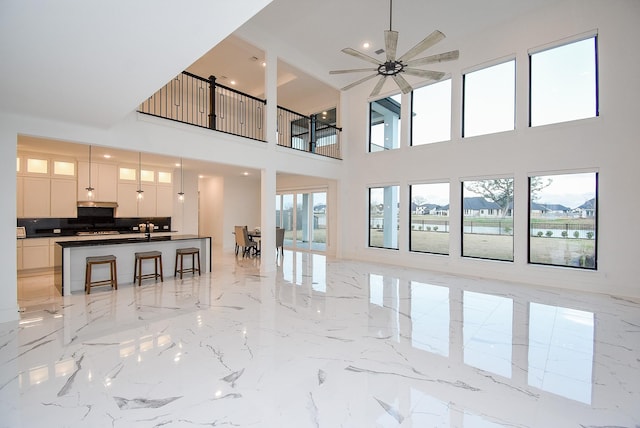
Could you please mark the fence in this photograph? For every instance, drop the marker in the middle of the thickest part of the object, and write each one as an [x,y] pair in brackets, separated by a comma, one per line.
[202,102]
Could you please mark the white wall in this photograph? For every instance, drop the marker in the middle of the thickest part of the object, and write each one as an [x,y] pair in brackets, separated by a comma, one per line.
[607,144]
[211,191]
[241,206]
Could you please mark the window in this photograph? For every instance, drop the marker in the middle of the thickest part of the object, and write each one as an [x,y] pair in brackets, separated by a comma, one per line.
[39,166]
[148,176]
[64,168]
[164,177]
[127,174]
[431,113]
[487,223]
[383,217]
[562,220]
[489,100]
[384,120]
[429,218]
[564,84]
[306,225]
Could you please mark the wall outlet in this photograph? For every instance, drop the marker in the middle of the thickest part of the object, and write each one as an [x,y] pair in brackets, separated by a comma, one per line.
[56,230]
[135,228]
[165,227]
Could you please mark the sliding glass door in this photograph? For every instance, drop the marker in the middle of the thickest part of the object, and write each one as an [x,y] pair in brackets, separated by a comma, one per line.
[306,225]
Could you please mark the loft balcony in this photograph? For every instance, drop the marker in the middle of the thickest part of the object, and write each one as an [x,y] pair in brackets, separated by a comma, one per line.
[205,103]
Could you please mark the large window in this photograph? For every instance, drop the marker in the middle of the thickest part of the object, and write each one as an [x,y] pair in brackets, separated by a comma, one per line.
[489,100]
[431,113]
[429,218]
[487,223]
[384,120]
[562,220]
[383,217]
[306,225]
[564,83]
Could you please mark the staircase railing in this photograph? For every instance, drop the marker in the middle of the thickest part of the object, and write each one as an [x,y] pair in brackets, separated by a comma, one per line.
[202,102]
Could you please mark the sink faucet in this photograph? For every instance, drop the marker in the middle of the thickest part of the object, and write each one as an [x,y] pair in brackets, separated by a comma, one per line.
[147,232]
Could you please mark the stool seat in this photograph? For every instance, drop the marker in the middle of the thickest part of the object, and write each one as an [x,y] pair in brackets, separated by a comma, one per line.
[98,260]
[188,251]
[140,256]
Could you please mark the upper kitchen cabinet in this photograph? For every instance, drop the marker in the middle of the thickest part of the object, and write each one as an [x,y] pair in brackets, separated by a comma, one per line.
[156,189]
[46,186]
[104,180]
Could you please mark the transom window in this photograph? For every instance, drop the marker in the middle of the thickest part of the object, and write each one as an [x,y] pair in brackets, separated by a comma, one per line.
[431,113]
[489,100]
[564,84]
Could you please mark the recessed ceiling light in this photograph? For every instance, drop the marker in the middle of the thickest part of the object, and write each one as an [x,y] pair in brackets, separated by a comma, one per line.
[245,173]
[107,156]
[366,45]
[177,164]
[264,64]
[233,82]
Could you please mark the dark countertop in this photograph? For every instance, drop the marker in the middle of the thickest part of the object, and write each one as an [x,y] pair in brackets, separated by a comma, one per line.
[132,240]
[69,234]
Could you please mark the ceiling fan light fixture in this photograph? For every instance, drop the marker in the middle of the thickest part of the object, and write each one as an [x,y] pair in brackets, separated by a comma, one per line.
[393,66]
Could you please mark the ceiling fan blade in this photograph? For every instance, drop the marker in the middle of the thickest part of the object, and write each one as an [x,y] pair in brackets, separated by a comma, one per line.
[433,75]
[378,87]
[353,70]
[447,56]
[425,44]
[360,55]
[405,87]
[391,44]
[346,88]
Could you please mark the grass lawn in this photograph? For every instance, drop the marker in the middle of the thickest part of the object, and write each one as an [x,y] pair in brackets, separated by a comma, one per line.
[553,251]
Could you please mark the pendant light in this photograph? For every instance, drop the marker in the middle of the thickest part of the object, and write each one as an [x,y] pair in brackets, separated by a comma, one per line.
[140,192]
[90,194]
[181,192]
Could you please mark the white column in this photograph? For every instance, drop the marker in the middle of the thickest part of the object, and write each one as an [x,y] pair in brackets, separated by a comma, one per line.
[9,289]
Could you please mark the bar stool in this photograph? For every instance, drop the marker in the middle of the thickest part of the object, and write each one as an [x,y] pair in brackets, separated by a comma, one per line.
[156,256]
[100,260]
[191,251]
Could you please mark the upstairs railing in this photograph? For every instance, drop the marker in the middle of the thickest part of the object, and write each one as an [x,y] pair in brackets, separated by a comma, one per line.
[202,102]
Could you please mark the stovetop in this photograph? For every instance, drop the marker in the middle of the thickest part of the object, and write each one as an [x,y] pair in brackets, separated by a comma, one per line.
[98,232]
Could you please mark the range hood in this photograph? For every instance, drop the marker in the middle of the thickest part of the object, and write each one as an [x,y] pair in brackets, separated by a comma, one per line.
[97,204]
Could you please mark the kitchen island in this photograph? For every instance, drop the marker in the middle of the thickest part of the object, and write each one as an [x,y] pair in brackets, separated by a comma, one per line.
[70,257]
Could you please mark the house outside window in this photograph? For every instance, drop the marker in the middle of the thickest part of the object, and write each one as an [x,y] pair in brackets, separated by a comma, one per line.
[429,218]
[563,220]
[487,224]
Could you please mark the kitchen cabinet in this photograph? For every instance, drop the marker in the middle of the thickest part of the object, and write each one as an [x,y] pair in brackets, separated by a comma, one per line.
[19,197]
[35,253]
[104,179]
[127,202]
[36,197]
[63,198]
[19,254]
[147,206]
[164,201]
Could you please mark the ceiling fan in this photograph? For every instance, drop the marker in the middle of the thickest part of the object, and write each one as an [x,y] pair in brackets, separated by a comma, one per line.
[393,67]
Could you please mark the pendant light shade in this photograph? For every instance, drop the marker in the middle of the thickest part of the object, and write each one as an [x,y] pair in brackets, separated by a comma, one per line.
[181,192]
[140,192]
[90,189]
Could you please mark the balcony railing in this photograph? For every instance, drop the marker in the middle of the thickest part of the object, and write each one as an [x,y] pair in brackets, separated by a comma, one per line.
[203,102]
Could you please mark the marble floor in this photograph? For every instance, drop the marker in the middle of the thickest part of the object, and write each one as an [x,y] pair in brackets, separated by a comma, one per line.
[320,343]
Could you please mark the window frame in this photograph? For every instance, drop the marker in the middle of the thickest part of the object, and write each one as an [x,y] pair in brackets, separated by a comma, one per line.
[560,44]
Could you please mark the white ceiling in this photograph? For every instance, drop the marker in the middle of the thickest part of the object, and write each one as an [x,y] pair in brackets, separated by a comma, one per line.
[92,63]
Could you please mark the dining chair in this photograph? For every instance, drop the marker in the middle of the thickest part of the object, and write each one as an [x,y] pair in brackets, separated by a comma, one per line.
[243,242]
[279,242]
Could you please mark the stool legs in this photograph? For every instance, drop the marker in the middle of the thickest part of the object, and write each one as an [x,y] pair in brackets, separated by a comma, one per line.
[157,267]
[179,267]
[100,260]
